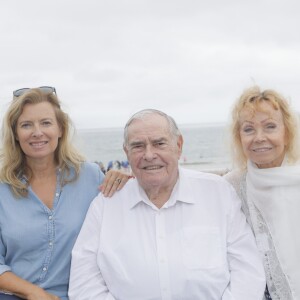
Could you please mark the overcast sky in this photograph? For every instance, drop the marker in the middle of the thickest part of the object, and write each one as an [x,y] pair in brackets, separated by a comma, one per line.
[189,58]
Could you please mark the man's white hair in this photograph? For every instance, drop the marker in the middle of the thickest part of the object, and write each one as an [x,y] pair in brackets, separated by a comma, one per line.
[174,130]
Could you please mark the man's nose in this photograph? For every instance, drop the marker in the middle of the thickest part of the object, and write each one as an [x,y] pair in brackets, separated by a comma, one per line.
[149,153]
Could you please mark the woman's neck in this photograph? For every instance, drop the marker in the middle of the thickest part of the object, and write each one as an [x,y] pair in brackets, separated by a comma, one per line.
[42,168]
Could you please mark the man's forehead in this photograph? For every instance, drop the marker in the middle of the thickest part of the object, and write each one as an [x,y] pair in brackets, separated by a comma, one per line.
[144,134]
[148,138]
[148,126]
[149,120]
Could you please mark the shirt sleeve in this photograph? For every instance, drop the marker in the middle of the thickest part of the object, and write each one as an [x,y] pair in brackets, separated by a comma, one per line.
[247,276]
[3,267]
[86,281]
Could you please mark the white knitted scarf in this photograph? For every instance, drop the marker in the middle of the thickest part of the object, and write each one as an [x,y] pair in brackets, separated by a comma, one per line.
[276,194]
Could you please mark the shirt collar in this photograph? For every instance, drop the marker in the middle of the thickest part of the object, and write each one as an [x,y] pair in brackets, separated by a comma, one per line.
[182,192]
[23,178]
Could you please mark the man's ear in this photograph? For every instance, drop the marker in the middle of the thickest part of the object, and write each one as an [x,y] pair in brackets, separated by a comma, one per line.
[125,150]
[179,145]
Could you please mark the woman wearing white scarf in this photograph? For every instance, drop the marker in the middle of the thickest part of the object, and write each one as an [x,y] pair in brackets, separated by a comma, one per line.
[265,142]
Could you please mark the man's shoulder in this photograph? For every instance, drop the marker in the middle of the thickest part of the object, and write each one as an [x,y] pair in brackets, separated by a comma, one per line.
[206,183]
[122,197]
[201,176]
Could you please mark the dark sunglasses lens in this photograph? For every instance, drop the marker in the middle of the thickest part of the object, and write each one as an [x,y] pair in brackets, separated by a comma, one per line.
[44,89]
[47,89]
[18,93]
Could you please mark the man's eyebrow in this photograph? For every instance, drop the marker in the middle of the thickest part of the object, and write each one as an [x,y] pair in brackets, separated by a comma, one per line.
[158,140]
[136,143]
[153,141]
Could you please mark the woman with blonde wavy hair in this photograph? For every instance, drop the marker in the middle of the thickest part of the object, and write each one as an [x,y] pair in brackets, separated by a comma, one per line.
[265,142]
[46,188]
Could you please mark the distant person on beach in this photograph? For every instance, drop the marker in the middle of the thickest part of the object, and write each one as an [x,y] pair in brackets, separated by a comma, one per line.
[109,166]
[45,191]
[266,148]
[101,166]
[171,234]
[125,166]
[117,165]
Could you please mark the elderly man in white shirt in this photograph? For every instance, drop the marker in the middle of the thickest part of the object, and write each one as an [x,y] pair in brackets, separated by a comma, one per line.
[169,234]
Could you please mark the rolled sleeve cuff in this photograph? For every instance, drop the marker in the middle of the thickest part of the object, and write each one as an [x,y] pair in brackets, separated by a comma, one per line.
[4,269]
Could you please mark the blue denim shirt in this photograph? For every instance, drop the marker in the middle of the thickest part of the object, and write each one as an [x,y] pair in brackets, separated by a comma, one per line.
[35,241]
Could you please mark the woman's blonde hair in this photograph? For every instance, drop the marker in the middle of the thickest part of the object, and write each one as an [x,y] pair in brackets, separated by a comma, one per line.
[251,99]
[12,158]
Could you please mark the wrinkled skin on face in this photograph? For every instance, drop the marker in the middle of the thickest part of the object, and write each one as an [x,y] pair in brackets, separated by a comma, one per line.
[153,153]
[263,136]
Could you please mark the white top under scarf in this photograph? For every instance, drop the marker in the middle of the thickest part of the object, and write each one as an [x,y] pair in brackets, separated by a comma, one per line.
[276,194]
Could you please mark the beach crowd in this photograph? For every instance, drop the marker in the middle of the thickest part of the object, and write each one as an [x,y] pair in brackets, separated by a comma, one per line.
[146,228]
[115,165]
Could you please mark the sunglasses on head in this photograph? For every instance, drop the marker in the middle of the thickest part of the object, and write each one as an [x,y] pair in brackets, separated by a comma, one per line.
[44,89]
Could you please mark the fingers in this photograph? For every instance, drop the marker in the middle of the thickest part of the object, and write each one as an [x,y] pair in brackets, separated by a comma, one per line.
[114,181]
[123,182]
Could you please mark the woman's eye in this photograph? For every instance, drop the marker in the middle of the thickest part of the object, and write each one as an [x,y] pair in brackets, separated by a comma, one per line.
[25,125]
[247,129]
[271,126]
[46,123]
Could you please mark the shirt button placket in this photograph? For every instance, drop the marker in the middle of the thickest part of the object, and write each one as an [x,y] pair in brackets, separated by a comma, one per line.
[49,250]
[162,255]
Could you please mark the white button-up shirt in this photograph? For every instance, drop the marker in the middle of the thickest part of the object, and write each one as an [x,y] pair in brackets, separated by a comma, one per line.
[197,246]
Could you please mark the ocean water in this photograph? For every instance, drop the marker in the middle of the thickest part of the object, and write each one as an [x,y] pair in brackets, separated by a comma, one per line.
[205,146]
